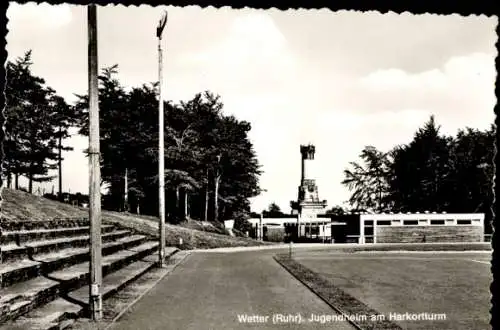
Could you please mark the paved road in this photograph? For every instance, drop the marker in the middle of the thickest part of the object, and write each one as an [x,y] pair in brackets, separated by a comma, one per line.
[214,290]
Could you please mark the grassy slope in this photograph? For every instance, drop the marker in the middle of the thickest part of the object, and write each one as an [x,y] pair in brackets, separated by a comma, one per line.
[19,205]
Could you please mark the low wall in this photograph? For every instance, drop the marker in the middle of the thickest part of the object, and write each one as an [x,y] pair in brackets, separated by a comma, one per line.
[277,221]
[418,234]
[274,234]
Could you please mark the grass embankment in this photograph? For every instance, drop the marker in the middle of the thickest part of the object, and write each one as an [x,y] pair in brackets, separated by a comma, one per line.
[353,310]
[18,205]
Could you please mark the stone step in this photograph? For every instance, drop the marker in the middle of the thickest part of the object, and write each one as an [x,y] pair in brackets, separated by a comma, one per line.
[109,263]
[53,315]
[116,280]
[15,225]
[14,252]
[25,269]
[21,237]
[17,271]
[23,297]
[61,312]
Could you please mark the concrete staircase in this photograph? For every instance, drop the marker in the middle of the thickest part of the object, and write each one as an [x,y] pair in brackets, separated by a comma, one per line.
[44,270]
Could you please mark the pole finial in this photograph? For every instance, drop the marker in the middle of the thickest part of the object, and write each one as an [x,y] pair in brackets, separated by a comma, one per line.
[161,24]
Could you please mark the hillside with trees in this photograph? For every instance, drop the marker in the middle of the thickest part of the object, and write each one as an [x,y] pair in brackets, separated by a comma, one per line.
[211,169]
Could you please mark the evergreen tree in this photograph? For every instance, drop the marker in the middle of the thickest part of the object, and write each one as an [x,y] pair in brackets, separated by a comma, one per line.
[368,180]
[64,118]
[421,172]
[31,138]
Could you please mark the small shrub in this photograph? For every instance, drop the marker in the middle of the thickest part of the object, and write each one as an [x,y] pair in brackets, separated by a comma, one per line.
[241,222]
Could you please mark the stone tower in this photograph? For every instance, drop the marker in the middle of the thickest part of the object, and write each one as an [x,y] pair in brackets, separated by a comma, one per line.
[308,203]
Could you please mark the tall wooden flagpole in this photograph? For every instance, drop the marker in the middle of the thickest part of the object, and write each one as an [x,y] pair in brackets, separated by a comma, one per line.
[95,283]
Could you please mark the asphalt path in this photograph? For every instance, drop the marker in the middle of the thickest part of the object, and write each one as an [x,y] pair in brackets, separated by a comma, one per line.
[240,290]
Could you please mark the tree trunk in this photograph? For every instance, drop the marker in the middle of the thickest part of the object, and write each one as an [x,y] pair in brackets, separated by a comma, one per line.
[379,197]
[206,200]
[177,201]
[17,181]
[222,210]
[60,164]
[9,180]
[216,198]
[125,198]
[30,180]
[185,204]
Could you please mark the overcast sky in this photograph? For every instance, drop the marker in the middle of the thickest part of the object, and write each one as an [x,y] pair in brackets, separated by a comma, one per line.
[340,80]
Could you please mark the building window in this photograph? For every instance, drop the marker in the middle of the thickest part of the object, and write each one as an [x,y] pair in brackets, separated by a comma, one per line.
[410,222]
[437,222]
[464,222]
[384,222]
